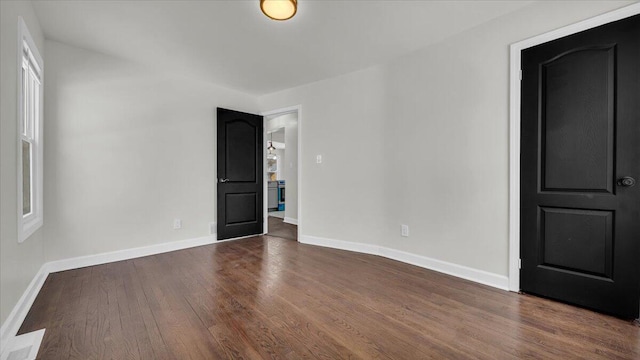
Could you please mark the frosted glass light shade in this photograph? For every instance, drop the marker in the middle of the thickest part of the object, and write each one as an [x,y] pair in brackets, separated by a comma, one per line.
[279,9]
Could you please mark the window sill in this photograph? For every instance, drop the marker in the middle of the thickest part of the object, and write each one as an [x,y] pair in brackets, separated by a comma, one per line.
[27,228]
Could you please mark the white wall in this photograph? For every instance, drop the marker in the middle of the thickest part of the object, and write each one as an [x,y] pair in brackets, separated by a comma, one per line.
[421,141]
[127,151]
[342,120]
[290,165]
[281,159]
[448,128]
[19,262]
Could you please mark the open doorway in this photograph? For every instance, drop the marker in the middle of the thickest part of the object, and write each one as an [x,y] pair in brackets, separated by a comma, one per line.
[281,173]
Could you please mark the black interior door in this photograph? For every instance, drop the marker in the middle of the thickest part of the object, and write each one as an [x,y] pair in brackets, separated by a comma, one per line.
[580,210]
[240,179]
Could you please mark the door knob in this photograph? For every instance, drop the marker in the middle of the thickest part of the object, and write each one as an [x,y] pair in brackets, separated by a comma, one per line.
[626,181]
[223,180]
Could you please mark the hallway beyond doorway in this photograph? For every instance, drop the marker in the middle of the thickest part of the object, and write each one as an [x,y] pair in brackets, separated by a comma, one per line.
[277,227]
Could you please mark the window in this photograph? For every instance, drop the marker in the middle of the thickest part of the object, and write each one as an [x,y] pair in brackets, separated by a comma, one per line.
[30,134]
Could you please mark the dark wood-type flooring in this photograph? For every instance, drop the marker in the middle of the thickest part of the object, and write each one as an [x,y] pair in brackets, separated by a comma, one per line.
[279,228]
[267,297]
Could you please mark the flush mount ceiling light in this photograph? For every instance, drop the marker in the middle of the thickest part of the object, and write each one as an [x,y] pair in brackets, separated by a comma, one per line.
[279,9]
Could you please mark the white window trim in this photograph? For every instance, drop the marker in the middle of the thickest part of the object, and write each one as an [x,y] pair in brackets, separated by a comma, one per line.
[27,225]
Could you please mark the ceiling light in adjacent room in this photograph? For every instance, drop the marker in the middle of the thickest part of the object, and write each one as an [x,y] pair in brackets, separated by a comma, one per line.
[271,155]
[279,9]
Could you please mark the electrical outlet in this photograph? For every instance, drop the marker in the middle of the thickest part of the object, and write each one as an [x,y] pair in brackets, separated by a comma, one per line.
[318,159]
[212,228]
[405,230]
[177,224]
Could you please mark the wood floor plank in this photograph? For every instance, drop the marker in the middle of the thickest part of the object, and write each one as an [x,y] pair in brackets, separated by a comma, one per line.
[130,318]
[344,290]
[159,305]
[177,322]
[148,328]
[268,339]
[286,321]
[483,338]
[44,306]
[59,335]
[118,329]
[267,297]
[278,228]
[350,288]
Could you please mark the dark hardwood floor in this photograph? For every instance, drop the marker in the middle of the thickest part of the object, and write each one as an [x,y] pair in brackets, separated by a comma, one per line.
[279,228]
[267,297]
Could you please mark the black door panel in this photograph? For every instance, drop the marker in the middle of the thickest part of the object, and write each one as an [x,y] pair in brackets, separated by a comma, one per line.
[240,177]
[580,113]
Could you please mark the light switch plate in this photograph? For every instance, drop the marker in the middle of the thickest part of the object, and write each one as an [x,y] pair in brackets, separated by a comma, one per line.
[405,230]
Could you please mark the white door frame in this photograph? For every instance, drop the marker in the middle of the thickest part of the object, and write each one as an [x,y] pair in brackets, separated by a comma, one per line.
[273,113]
[514,123]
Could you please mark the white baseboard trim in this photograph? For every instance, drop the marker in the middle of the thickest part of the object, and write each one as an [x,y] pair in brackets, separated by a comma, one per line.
[113,256]
[19,312]
[291,221]
[29,342]
[340,244]
[13,322]
[461,271]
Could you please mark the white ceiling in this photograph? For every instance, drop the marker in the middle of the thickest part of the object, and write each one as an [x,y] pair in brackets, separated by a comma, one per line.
[230,43]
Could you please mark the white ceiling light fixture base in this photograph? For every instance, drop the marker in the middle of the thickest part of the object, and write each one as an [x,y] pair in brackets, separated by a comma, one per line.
[279,9]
